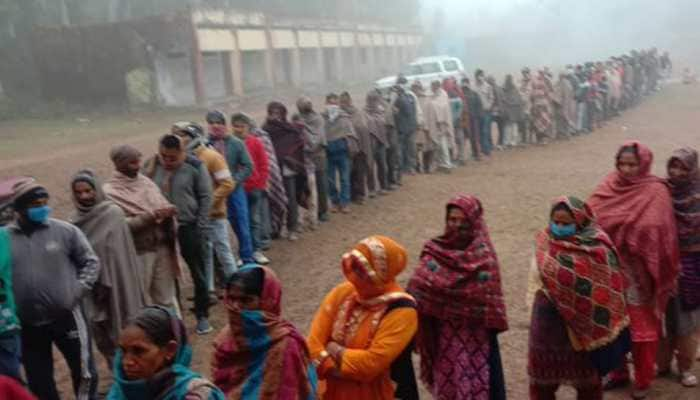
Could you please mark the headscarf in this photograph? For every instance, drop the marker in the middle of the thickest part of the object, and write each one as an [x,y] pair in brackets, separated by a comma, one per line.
[259,355]
[686,200]
[87,176]
[458,277]
[452,88]
[686,203]
[371,267]
[171,383]
[287,139]
[637,214]
[581,276]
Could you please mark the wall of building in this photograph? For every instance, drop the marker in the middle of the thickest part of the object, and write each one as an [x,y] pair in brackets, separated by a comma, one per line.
[267,52]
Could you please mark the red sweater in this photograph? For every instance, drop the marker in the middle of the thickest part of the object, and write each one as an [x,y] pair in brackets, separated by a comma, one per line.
[261,165]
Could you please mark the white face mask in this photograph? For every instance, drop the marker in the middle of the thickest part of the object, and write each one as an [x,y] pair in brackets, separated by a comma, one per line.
[333,111]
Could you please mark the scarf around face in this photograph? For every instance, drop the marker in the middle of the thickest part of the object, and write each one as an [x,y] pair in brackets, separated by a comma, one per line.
[637,214]
[287,139]
[581,276]
[259,355]
[458,277]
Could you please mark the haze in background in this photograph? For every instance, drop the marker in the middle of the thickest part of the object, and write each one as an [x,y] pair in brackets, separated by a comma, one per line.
[504,35]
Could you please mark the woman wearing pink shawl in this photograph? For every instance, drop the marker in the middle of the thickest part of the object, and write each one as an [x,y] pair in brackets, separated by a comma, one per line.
[260,355]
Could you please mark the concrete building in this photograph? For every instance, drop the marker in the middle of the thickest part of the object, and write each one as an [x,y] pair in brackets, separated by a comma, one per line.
[233,53]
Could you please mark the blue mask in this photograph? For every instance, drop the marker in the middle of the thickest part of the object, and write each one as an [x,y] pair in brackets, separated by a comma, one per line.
[562,231]
[39,215]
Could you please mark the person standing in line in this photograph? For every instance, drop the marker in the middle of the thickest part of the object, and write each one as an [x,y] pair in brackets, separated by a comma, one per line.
[360,338]
[541,112]
[256,183]
[563,100]
[457,288]
[497,111]
[218,243]
[184,180]
[288,141]
[10,338]
[407,117]
[512,111]
[153,361]
[635,209]
[441,123]
[471,118]
[376,122]
[245,367]
[274,208]
[525,88]
[118,294]
[577,332]
[425,142]
[316,152]
[342,146]
[361,166]
[240,166]
[151,218]
[488,99]
[683,313]
[456,97]
[53,269]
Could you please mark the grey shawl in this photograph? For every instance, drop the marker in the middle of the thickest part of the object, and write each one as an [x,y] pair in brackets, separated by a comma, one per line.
[117,295]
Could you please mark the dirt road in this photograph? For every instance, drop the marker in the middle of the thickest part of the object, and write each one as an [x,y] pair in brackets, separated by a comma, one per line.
[515,187]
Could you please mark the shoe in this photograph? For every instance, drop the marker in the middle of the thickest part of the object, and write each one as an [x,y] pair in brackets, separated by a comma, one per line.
[383,193]
[203,326]
[335,209]
[213,299]
[323,217]
[639,394]
[239,263]
[688,379]
[260,258]
[372,195]
[293,237]
[345,210]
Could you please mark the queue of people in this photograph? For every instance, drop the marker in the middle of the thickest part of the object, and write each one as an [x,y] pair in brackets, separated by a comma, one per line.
[612,275]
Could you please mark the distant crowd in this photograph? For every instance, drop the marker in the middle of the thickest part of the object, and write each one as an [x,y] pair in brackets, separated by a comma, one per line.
[87,280]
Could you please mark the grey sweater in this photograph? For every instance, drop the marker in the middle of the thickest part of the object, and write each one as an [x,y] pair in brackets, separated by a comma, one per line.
[52,269]
[189,188]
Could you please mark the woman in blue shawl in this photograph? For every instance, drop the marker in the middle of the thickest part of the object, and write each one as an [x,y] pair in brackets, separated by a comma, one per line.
[153,361]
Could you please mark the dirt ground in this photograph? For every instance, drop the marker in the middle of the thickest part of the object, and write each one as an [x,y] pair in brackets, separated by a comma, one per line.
[515,187]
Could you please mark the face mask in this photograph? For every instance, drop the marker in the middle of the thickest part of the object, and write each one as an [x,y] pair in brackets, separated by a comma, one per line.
[333,111]
[562,231]
[39,215]
[218,132]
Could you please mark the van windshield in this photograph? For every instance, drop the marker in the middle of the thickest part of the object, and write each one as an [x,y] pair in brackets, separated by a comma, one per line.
[422,68]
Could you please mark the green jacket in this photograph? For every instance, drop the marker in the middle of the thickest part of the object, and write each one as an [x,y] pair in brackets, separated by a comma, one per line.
[8,311]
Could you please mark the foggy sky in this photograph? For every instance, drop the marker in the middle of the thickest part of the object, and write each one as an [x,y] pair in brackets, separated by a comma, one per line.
[563,31]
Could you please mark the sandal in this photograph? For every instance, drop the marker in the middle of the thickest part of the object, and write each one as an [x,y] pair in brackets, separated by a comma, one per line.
[639,394]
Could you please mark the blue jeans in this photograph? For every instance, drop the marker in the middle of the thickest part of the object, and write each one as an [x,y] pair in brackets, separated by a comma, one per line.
[265,223]
[10,355]
[339,163]
[219,245]
[255,206]
[486,142]
[237,206]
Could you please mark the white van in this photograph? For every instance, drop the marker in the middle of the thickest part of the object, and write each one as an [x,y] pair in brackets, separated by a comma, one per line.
[426,70]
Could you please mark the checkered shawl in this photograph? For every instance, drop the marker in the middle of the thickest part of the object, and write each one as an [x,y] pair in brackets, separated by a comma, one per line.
[581,276]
